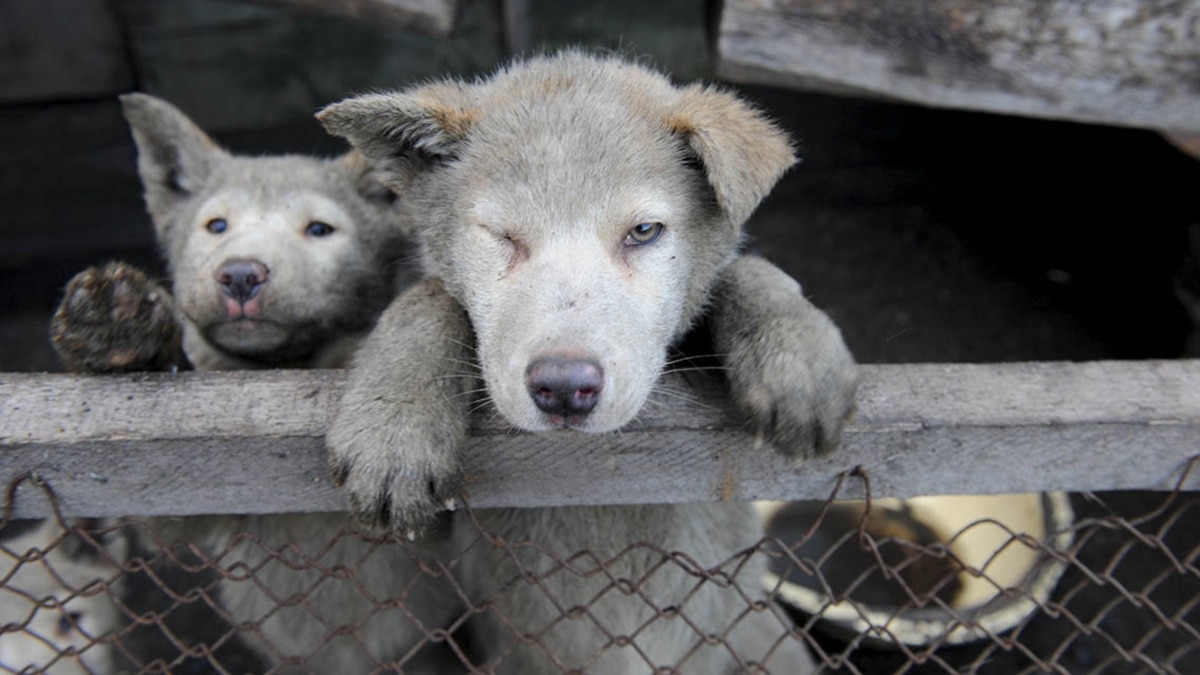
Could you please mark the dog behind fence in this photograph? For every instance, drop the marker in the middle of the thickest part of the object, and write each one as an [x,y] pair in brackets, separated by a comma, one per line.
[87,595]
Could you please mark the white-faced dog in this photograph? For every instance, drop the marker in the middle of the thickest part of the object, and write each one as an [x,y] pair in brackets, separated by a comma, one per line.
[578,215]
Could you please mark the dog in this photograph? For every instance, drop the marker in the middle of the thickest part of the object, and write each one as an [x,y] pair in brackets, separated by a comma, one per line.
[275,261]
[56,601]
[578,215]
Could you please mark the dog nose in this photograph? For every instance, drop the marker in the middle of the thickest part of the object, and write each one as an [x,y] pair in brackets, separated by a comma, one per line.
[242,279]
[564,386]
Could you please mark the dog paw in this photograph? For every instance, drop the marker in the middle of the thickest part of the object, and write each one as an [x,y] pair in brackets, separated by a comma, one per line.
[794,386]
[396,480]
[394,444]
[790,374]
[115,318]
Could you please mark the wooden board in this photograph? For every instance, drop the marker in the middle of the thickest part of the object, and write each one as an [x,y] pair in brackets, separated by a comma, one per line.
[252,442]
[63,50]
[1122,62]
[431,16]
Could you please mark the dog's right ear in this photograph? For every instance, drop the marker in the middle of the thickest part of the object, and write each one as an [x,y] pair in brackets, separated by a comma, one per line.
[744,154]
[174,156]
[402,131]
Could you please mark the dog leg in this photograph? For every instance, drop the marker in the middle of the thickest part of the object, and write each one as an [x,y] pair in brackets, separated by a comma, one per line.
[394,444]
[791,375]
[116,319]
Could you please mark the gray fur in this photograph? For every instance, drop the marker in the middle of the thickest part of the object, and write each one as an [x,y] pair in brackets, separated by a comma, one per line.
[416,467]
[323,294]
[790,373]
[526,188]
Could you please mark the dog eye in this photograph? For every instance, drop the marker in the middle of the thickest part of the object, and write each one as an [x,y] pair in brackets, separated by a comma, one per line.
[67,622]
[643,233]
[318,229]
[217,225]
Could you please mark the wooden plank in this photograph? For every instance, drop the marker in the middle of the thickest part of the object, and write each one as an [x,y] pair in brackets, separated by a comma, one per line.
[252,442]
[202,55]
[518,37]
[62,50]
[436,17]
[1123,62]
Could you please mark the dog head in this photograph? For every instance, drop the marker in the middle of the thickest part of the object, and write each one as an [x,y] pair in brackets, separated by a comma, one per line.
[580,209]
[269,256]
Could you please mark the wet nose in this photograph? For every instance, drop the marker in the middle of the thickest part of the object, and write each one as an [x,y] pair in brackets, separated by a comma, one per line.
[564,386]
[242,279]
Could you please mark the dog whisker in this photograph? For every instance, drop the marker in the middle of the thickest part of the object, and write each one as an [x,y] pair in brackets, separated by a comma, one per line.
[483,404]
[469,392]
[456,376]
[680,396]
[695,369]
[685,358]
[470,364]
[460,343]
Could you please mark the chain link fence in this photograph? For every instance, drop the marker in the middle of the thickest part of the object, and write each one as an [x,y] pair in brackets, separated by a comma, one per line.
[1085,583]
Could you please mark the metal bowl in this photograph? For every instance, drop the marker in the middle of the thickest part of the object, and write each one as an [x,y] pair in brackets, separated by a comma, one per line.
[949,570]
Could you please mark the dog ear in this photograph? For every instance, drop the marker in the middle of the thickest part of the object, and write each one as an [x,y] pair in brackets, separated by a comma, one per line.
[742,152]
[400,132]
[366,178]
[174,156]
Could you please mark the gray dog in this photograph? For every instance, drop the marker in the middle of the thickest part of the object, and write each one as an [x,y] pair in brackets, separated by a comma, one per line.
[577,216]
[276,261]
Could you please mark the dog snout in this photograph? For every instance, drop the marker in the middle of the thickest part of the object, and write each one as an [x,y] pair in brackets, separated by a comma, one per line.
[241,280]
[564,386]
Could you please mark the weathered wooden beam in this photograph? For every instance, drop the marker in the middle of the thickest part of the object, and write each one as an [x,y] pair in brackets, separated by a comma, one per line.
[1123,62]
[252,442]
[431,16]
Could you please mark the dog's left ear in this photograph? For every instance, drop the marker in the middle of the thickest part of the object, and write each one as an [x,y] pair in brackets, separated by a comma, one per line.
[403,132]
[743,153]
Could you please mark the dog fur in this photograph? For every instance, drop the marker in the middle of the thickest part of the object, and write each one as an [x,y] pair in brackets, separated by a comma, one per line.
[577,215]
[42,561]
[323,233]
[274,262]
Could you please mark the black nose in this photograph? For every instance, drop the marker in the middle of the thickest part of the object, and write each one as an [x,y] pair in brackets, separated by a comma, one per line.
[242,279]
[564,386]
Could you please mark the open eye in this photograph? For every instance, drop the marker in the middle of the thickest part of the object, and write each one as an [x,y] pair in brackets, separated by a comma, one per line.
[644,233]
[318,229]
[217,225]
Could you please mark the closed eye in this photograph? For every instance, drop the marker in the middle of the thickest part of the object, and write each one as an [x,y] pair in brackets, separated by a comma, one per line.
[517,250]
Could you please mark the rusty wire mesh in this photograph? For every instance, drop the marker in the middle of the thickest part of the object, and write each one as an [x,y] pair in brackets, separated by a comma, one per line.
[1121,594]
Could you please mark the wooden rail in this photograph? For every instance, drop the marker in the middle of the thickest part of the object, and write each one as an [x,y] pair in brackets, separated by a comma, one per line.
[161,444]
[1123,62]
